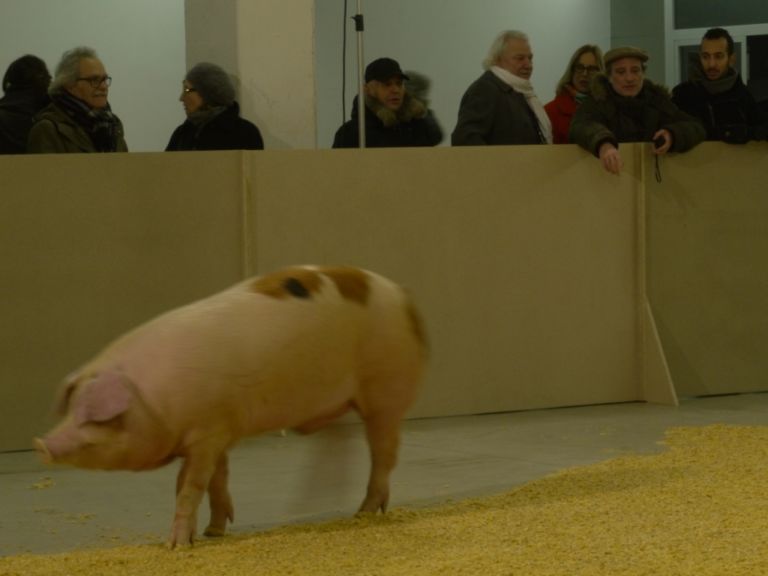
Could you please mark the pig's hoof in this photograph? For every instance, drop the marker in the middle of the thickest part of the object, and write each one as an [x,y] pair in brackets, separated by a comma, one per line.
[179,545]
[214,532]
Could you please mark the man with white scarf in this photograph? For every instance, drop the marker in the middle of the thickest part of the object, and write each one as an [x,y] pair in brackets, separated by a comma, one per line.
[501,106]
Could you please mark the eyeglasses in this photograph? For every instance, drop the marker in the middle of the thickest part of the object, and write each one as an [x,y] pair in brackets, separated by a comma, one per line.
[96,81]
[581,69]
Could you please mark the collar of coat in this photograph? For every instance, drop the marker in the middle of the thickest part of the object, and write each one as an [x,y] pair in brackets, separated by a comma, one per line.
[412,109]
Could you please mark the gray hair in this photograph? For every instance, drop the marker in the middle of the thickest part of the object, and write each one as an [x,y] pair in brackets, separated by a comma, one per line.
[499,44]
[212,83]
[68,68]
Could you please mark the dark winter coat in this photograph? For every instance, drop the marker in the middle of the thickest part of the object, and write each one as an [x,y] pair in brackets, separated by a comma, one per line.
[731,115]
[55,131]
[224,131]
[17,112]
[412,125]
[492,113]
[609,117]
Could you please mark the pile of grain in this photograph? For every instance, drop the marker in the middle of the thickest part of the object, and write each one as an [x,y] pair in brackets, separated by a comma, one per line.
[699,508]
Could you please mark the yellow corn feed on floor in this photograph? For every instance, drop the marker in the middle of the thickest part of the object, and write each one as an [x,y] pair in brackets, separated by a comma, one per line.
[699,508]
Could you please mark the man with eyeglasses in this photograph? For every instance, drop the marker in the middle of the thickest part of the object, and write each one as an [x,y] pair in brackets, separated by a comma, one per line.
[79,118]
[572,89]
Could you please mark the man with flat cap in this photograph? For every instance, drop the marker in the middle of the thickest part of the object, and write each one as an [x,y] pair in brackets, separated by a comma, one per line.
[393,116]
[627,107]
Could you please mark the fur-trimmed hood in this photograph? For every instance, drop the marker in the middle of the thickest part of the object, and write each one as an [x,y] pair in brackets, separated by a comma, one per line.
[609,117]
[412,109]
[602,90]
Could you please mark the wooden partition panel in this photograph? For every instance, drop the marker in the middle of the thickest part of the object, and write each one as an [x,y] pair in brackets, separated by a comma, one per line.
[524,261]
[91,245]
[707,267]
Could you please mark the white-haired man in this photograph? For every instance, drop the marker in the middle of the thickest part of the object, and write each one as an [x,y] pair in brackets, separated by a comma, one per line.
[501,107]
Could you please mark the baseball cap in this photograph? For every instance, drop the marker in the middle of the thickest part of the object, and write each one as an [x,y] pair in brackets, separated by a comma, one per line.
[383,69]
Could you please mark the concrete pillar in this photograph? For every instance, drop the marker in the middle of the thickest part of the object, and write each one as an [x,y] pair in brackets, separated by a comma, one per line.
[642,24]
[269,47]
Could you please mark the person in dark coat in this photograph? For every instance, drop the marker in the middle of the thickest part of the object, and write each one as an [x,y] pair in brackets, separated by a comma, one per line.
[716,95]
[393,116]
[213,115]
[501,106]
[25,85]
[79,118]
[626,107]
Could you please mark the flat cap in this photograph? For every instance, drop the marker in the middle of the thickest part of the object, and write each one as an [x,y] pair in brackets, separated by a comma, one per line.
[625,52]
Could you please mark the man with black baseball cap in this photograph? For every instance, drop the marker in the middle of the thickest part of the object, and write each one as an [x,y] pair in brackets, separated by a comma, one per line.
[393,117]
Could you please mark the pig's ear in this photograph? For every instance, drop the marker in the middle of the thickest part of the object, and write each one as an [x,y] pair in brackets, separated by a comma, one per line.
[102,398]
[65,392]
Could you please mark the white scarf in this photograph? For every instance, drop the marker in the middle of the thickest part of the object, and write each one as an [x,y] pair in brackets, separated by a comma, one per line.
[526,89]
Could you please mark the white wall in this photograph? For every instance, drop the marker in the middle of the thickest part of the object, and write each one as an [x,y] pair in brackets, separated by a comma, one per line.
[447,40]
[140,41]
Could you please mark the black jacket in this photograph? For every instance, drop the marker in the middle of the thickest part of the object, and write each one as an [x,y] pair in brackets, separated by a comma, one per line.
[412,125]
[609,117]
[17,110]
[225,131]
[731,115]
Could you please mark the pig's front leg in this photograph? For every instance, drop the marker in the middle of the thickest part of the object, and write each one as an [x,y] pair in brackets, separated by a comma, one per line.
[220,499]
[191,483]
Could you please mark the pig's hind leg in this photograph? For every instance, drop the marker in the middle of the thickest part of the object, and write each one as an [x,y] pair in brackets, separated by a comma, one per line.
[383,433]
[220,499]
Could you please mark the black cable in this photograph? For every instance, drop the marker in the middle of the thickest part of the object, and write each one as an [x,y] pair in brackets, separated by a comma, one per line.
[658,170]
[344,67]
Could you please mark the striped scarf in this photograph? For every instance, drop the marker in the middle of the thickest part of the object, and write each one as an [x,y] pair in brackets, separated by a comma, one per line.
[99,123]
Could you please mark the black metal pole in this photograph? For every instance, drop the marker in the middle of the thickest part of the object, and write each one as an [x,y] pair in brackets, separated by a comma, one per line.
[360,28]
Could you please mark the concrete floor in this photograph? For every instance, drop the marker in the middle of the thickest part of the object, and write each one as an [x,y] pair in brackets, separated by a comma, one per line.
[279,479]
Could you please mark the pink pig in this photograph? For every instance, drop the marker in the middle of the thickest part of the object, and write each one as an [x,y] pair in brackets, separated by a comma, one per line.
[293,349]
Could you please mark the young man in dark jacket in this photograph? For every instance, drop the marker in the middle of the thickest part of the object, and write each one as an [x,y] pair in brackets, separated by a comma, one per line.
[393,116]
[716,95]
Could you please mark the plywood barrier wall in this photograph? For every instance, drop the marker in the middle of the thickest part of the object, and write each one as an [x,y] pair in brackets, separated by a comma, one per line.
[524,261]
[527,262]
[91,246]
[707,267]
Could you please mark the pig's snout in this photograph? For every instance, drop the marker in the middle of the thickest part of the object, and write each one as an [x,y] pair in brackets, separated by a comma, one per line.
[56,448]
[42,450]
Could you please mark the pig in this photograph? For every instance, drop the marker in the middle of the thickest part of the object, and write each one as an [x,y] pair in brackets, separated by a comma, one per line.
[293,349]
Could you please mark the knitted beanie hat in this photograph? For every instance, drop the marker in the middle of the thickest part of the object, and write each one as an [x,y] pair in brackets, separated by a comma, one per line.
[212,83]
